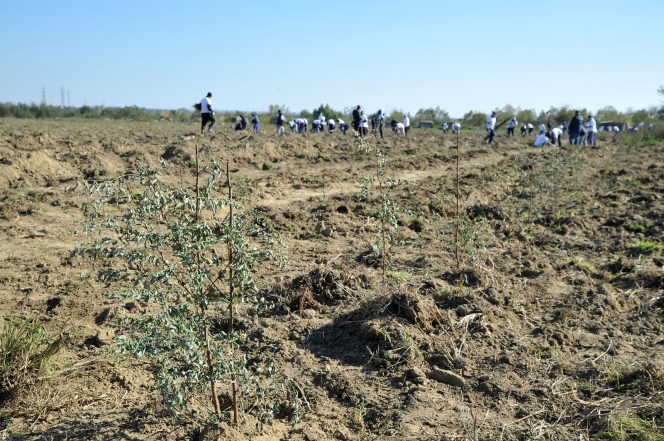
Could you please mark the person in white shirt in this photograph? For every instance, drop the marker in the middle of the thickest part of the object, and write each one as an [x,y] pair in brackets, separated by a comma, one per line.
[543,139]
[316,125]
[523,130]
[456,127]
[364,124]
[592,130]
[557,133]
[300,125]
[330,126]
[530,129]
[616,129]
[511,127]
[542,128]
[445,127]
[207,114]
[399,128]
[292,125]
[321,118]
[490,127]
[342,126]
[406,124]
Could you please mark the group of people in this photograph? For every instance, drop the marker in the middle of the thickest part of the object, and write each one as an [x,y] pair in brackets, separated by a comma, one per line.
[580,132]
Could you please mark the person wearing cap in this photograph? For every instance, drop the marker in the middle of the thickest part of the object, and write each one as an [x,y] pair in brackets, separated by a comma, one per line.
[592,130]
[281,119]
[575,128]
[406,124]
[207,115]
[490,127]
[254,121]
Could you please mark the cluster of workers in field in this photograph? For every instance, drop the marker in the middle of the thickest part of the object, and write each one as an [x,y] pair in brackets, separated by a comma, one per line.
[580,132]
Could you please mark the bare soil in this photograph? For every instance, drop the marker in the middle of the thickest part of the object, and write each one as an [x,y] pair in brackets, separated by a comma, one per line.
[550,328]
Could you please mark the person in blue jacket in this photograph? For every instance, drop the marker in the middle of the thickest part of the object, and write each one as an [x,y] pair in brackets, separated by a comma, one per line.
[380,122]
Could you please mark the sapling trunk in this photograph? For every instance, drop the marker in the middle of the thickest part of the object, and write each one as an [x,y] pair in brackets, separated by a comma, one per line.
[231,287]
[456,211]
[382,221]
[208,355]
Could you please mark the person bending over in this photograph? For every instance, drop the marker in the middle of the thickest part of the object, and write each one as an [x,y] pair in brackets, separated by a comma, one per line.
[543,139]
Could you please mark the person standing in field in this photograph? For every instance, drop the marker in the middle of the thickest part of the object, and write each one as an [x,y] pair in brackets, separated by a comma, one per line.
[207,114]
[511,127]
[281,119]
[445,127]
[254,121]
[364,124]
[380,122]
[592,131]
[575,128]
[456,128]
[355,123]
[406,124]
[542,128]
[490,127]
[530,129]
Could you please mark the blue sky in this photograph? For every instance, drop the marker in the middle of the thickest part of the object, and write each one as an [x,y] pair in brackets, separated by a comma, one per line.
[463,55]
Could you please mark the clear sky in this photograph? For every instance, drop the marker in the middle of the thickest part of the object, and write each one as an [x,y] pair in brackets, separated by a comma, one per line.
[461,55]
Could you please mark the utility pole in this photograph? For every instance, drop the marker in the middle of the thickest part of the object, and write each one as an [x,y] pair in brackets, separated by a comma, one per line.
[68,101]
[62,97]
[43,96]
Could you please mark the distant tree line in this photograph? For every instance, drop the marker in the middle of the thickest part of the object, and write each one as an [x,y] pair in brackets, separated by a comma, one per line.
[436,115]
[40,111]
